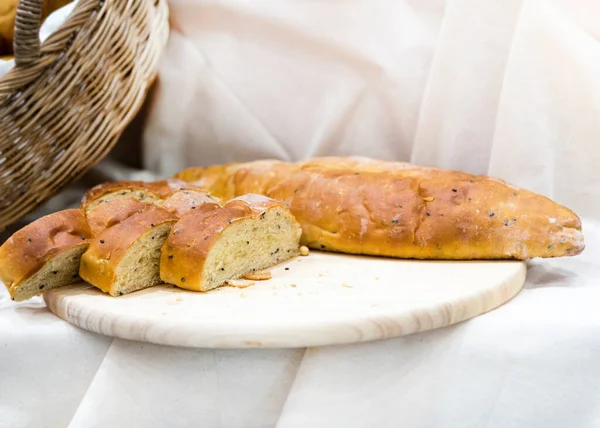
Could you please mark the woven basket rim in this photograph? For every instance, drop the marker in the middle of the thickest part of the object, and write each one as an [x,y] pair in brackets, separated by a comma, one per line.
[50,50]
[95,69]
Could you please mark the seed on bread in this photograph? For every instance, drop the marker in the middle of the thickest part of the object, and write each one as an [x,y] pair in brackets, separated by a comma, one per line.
[50,265]
[248,233]
[136,267]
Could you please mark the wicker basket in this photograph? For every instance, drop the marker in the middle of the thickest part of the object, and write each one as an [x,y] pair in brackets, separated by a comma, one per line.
[65,103]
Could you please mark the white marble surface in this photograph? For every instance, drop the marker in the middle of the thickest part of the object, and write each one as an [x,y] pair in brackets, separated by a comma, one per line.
[319,300]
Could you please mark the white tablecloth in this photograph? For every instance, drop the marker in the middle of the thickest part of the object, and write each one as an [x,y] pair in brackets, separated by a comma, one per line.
[533,363]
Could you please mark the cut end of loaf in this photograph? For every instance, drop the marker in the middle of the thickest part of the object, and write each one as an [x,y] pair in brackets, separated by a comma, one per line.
[61,270]
[250,245]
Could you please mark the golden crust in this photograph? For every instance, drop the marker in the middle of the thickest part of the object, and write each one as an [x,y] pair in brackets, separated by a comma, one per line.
[178,199]
[28,249]
[113,212]
[364,206]
[187,247]
[158,189]
[118,222]
[106,250]
[188,200]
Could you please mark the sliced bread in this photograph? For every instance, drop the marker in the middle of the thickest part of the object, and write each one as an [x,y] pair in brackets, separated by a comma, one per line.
[126,257]
[206,249]
[44,254]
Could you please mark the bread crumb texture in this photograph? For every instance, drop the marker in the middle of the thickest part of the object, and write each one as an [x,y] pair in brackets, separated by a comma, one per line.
[259,275]
[240,283]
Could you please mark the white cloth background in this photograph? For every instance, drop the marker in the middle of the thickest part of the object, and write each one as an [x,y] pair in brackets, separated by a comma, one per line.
[502,87]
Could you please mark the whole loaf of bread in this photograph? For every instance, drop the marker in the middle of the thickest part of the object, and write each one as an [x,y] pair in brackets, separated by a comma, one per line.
[365,206]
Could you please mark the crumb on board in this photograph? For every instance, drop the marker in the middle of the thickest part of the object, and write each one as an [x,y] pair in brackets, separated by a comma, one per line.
[377,278]
[304,250]
[179,299]
[346,285]
[240,283]
[258,275]
[293,285]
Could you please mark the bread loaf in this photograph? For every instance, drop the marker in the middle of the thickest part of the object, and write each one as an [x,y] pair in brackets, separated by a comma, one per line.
[131,221]
[208,248]
[364,206]
[115,240]
[44,254]
[126,256]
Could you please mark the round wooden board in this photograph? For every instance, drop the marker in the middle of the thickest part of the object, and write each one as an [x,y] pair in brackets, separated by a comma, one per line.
[322,299]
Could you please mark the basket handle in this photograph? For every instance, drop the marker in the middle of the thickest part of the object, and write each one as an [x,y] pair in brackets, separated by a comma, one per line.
[27,32]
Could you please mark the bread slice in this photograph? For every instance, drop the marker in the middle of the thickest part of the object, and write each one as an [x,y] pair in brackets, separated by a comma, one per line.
[149,192]
[44,254]
[126,256]
[249,233]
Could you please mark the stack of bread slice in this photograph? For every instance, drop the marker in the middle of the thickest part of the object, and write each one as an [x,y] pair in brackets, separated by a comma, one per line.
[127,236]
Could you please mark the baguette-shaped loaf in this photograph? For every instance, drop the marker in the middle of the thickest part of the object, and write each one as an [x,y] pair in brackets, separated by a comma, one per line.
[207,248]
[126,257]
[44,254]
[365,206]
